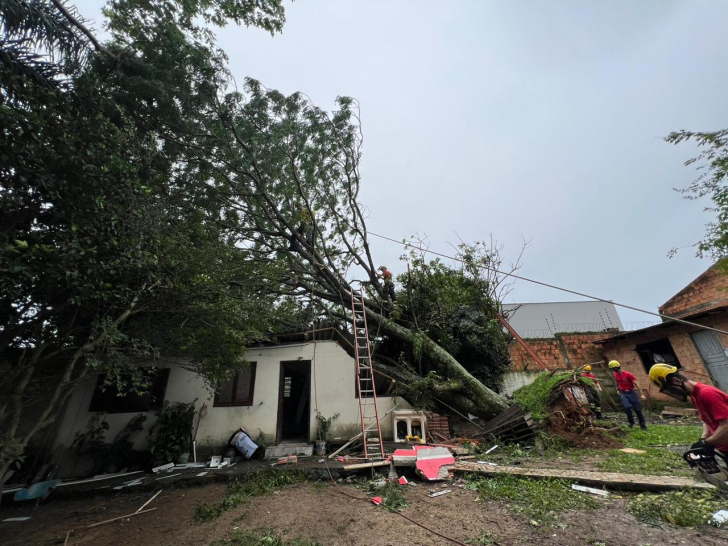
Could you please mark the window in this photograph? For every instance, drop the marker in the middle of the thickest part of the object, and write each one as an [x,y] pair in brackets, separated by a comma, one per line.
[238,391]
[656,352]
[382,384]
[107,398]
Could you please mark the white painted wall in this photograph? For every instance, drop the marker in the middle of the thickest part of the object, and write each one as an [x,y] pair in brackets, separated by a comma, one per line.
[332,383]
[512,381]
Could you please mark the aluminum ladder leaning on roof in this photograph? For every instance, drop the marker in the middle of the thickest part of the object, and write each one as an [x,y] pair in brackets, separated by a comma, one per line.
[368,409]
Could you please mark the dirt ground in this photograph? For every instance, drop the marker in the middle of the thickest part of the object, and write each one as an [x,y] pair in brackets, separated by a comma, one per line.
[325,515]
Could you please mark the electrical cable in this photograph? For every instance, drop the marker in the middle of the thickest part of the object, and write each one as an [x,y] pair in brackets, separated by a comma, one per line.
[547,285]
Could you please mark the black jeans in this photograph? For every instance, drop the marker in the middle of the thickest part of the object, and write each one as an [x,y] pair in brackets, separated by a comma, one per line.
[389,291]
[595,403]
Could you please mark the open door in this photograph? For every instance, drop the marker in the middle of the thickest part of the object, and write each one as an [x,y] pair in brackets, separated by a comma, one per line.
[294,402]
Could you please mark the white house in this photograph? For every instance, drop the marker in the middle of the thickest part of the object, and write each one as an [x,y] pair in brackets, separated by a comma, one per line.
[545,319]
[275,399]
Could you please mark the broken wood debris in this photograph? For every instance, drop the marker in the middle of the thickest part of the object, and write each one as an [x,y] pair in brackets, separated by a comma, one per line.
[514,424]
[439,493]
[150,500]
[374,464]
[590,490]
[613,480]
[670,412]
[120,517]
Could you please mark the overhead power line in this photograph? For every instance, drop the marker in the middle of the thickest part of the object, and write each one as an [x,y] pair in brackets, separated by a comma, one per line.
[562,289]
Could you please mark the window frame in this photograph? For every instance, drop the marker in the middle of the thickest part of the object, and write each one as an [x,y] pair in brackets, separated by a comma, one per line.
[234,403]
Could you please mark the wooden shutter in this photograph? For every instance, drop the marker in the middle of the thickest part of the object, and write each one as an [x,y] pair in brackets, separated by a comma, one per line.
[245,386]
[225,394]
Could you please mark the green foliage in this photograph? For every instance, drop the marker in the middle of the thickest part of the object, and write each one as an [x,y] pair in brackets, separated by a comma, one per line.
[171,435]
[713,183]
[484,538]
[455,309]
[689,508]
[104,455]
[110,254]
[262,537]
[393,496]
[539,500]
[537,396]
[255,484]
[324,424]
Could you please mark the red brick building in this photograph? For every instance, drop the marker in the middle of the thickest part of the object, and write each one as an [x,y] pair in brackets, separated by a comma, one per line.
[701,353]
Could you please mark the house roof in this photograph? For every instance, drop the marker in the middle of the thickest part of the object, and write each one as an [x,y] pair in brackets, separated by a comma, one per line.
[688,286]
[667,324]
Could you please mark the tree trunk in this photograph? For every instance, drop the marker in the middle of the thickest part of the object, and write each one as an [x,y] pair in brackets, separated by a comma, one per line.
[476,398]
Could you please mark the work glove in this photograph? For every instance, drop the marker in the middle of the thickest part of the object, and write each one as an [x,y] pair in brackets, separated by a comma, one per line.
[703,444]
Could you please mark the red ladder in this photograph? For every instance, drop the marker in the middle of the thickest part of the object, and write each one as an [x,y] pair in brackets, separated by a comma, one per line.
[370,429]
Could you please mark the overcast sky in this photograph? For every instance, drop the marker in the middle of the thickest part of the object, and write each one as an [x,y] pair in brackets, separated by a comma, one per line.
[541,120]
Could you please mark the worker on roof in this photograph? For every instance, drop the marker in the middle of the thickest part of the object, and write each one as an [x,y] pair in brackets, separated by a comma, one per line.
[628,389]
[711,403]
[386,276]
[592,393]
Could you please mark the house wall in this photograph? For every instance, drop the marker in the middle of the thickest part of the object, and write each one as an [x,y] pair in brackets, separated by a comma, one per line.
[560,352]
[623,350]
[332,383]
[708,290]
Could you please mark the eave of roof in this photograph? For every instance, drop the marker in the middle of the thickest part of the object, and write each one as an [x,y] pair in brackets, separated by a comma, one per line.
[666,324]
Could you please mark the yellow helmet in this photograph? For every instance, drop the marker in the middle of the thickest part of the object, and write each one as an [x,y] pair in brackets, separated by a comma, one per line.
[587,368]
[659,374]
[614,364]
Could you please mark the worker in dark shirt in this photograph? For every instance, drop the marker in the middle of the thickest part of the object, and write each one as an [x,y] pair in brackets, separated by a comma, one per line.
[711,403]
[592,393]
[386,276]
[628,389]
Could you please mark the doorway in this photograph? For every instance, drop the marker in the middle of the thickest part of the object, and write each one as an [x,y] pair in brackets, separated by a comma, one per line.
[714,356]
[294,401]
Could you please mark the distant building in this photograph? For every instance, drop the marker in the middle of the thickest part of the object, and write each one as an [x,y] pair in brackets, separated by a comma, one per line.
[562,334]
[545,320]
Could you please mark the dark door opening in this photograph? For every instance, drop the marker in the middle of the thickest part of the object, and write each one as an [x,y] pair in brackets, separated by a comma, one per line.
[294,401]
[656,352]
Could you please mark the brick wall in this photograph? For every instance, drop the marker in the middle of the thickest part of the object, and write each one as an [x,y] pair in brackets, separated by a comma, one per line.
[708,290]
[679,336]
[561,352]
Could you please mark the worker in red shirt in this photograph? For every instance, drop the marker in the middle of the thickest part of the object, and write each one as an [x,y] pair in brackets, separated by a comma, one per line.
[711,403]
[386,276]
[592,393]
[628,389]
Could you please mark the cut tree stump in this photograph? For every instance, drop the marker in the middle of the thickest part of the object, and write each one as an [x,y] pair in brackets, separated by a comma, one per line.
[612,480]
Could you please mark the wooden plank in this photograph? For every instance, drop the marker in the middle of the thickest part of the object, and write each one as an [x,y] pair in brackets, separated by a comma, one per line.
[613,480]
[365,465]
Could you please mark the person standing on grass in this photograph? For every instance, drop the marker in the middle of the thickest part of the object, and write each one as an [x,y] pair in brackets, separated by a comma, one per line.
[592,393]
[628,389]
[711,403]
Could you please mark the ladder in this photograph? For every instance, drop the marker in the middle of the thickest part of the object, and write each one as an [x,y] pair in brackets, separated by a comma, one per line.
[370,428]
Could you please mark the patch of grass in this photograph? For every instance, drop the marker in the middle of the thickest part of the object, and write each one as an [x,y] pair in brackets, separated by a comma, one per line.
[656,461]
[691,508]
[538,500]
[663,435]
[262,537]
[393,498]
[484,538]
[320,486]
[255,484]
